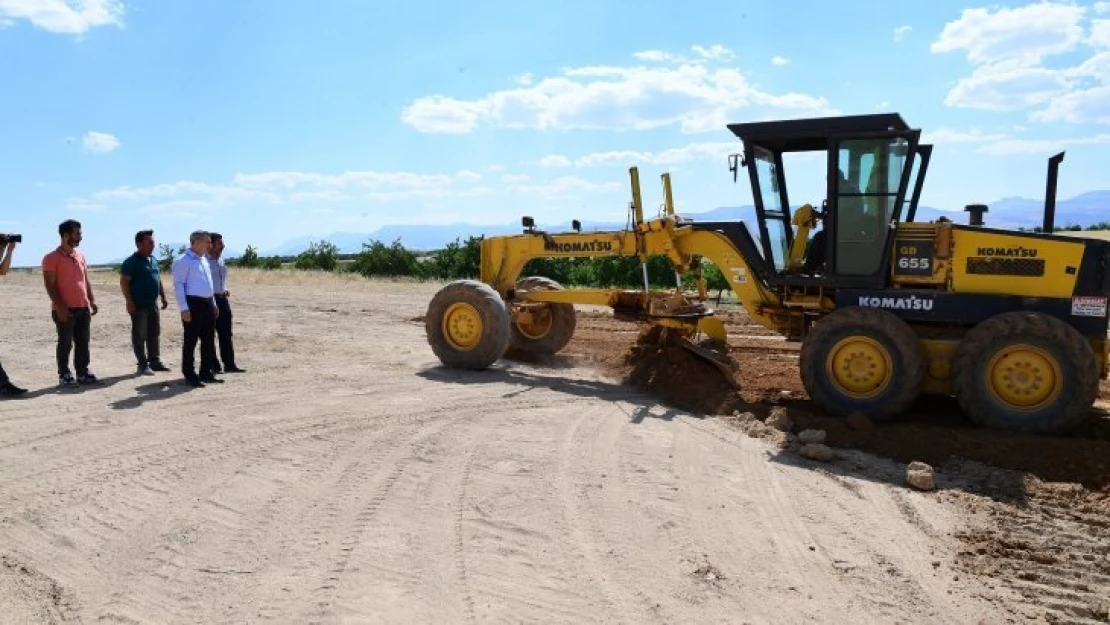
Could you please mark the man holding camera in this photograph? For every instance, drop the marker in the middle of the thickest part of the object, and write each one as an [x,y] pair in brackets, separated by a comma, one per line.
[7,249]
[65,275]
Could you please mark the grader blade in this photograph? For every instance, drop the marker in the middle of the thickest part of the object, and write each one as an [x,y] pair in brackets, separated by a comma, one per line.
[717,357]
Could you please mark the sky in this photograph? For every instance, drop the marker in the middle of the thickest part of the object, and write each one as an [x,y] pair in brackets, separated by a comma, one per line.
[273,120]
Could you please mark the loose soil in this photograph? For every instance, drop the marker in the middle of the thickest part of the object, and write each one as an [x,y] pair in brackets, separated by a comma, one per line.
[347,476]
[1040,504]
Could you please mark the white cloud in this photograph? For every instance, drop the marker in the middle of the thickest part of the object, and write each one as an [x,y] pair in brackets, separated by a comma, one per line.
[523,79]
[62,16]
[1089,105]
[330,195]
[716,51]
[944,135]
[695,95]
[98,142]
[192,198]
[1040,146]
[1027,34]
[1008,48]
[658,56]
[554,160]
[6,23]
[902,32]
[1007,88]
[1100,34]
[563,188]
[366,179]
[213,194]
[779,61]
[628,158]
[85,206]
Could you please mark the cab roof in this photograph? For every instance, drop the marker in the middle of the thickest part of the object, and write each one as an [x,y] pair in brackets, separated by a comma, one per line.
[810,134]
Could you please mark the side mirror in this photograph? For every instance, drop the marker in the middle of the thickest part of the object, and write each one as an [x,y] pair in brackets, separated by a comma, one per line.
[735,162]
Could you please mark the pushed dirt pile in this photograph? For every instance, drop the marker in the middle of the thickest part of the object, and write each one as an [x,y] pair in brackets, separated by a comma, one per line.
[934,432]
[660,364]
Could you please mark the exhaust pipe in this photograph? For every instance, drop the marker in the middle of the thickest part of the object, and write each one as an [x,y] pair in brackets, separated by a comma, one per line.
[1050,194]
[976,211]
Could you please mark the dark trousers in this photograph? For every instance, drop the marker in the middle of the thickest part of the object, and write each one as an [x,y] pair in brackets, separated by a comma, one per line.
[146,328]
[3,376]
[73,335]
[200,327]
[223,331]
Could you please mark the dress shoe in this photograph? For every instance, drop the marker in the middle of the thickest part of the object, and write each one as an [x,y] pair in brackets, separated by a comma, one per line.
[11,390]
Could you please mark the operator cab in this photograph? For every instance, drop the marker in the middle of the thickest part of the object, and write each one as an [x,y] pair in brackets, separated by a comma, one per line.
[870,160]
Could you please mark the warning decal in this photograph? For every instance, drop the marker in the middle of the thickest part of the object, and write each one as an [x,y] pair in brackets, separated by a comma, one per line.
[1088,306]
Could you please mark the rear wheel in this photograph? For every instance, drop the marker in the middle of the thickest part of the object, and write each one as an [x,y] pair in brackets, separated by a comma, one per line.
[467,325]
[862,360]
[1025,372]
[546,328]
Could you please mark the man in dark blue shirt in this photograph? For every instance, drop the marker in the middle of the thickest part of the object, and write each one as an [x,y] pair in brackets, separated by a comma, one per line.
[141,283]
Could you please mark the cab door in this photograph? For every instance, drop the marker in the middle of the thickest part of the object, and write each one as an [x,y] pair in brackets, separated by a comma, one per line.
[868,176]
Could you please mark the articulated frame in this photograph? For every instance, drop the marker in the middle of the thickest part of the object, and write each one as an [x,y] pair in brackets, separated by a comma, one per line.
[504,258]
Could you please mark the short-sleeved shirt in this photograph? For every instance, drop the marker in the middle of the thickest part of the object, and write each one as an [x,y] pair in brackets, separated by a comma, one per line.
[70,269]
[145,278]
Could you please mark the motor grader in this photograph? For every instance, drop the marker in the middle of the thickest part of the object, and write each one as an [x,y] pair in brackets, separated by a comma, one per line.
[1013,324]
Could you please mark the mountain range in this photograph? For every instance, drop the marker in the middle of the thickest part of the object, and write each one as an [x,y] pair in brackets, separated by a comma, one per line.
[1012,212]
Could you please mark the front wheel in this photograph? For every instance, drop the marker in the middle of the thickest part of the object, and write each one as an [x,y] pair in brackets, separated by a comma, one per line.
[1025,372]
[467,325]
[862,360]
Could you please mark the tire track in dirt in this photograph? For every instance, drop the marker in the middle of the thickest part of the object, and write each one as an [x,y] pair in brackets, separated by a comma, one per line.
[144,483]
[589,563]
[1053,552]
[520,560]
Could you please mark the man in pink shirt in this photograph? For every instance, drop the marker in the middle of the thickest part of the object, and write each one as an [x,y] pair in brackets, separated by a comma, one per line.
[65,273]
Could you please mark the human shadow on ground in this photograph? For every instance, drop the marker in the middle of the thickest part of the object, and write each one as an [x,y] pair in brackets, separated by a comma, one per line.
[645,406]
[57,390]
[155,391]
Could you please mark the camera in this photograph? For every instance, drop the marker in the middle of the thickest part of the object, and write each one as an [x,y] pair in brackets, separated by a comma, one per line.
[10,238]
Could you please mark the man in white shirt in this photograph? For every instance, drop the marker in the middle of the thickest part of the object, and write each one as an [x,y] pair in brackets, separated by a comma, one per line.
[192,287]
[218,268]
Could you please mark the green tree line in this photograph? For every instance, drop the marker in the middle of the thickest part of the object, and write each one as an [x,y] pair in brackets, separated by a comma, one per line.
[461,259]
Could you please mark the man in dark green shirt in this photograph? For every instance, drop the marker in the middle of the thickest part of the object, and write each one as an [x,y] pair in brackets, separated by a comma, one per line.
[141,282]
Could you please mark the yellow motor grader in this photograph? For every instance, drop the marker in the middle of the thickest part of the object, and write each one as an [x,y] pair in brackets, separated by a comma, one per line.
[1013,324]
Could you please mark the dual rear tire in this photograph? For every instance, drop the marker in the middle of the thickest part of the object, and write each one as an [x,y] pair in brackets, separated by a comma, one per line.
[1018,371]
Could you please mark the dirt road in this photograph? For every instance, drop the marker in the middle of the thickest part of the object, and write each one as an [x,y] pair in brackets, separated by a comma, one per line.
[346,477]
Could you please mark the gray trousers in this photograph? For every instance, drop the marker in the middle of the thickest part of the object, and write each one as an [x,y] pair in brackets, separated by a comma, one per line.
[146,328]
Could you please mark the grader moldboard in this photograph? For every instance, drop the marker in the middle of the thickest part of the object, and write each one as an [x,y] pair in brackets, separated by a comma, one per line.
[1012,324]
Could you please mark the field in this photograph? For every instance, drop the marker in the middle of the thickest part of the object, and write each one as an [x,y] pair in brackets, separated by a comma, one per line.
[347,477]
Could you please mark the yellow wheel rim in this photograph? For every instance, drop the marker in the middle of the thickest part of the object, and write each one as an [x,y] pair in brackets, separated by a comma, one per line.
[859,366]
[462,326]
[1024,377]
[539,323]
